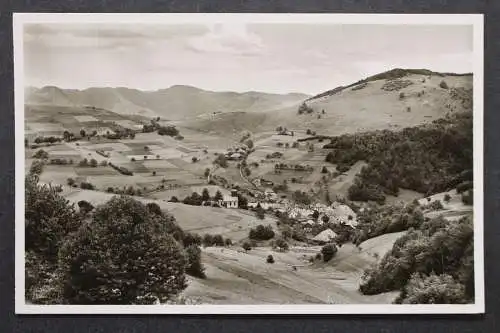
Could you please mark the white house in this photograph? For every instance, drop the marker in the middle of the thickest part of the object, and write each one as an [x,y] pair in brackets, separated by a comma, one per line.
[229,201]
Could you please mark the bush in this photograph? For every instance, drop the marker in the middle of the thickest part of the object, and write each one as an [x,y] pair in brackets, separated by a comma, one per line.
[447,197]
[87,186]
[324,170]
[228,242]
[433,289]
[218,240]
[168,130]
[261,232]
[281,244]
[92,263]
[436,205]
[208,240]
[443,84]
[221,161]
[468,198]
[247,246]
[301,197]
[154,208]
[173,199]
[36,168]
[70,182]
[194,266]
[85,206]
[401,95]
[270,259]
[93,163]
[48,219]
[328,251]
[41,154]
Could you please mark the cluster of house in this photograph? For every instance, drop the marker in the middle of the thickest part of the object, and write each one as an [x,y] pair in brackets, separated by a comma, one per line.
[236,153]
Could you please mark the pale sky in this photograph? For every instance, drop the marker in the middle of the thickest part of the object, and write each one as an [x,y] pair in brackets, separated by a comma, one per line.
[307,58]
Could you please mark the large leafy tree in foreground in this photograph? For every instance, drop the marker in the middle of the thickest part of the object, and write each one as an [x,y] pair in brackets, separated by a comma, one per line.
[124,255]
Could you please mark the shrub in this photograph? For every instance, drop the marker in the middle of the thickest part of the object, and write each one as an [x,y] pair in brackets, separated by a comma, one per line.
[247,246]
[281,244]
[464,186]
[443,84]
[168,130]
[48,219]
[92,263]
[270,259]
[93,163]
[401,95]
[259,212]
[194,159]
[433,289]
[301,197]
[228,242]
[328,251]
[447,197]
[468,198]
[174,199]
[261,232]
[218,240]
[154,208]
[104,163]
[194,266]
[436,205]
[87,186]
[208,240]
[70,182]
[85,206]
[324,170]
[110,190]
[41,154]
[221,161]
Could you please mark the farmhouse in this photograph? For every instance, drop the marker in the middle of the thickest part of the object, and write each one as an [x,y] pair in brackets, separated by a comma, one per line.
[326,236]
[229,201]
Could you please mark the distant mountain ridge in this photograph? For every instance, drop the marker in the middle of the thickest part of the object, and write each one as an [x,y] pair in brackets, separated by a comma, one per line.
[175,102]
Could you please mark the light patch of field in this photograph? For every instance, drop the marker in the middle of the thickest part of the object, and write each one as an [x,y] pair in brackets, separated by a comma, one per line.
[114,146]
[46,127]
[341,184]
[159,164]
[69,153]
[128,124]
[57,174]
[404,196]
[97,171]
[84,119]
[452,210]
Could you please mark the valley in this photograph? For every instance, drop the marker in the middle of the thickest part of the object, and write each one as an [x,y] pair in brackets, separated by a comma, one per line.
[268,155]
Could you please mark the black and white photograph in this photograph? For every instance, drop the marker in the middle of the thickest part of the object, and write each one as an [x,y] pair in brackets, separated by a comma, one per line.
[249,163]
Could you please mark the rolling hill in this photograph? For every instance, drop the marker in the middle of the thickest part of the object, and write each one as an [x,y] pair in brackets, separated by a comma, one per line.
[176,102]
[390,100]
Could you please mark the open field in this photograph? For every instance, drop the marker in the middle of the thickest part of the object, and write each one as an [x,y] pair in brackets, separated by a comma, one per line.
[238,277]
